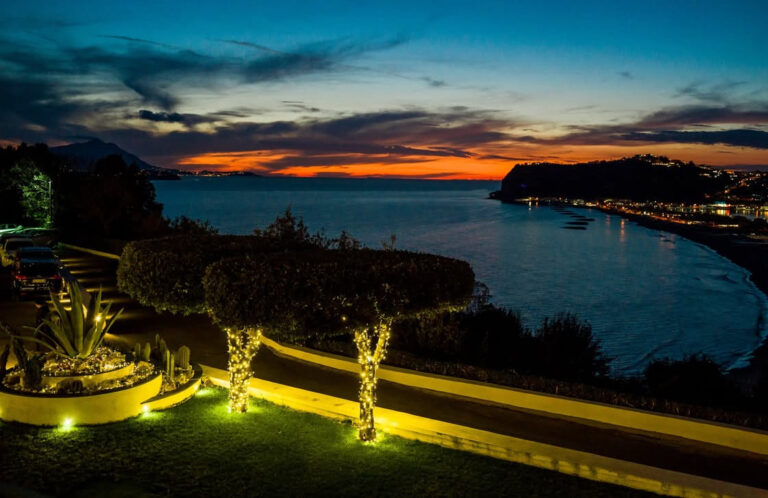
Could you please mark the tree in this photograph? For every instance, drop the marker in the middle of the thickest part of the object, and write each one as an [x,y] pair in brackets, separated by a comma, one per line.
[114,201]
[167,274]
[26,176]
[326,292]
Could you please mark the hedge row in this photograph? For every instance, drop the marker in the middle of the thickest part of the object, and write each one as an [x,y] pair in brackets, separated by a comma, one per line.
[166,273]
[332,291]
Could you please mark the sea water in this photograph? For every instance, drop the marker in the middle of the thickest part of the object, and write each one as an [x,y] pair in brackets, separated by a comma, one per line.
[647,294]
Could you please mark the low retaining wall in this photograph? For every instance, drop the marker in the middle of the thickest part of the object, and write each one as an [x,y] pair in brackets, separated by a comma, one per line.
[708,432]
[53,410]
[92,379]
[91,251]
[576,463]
[169,400]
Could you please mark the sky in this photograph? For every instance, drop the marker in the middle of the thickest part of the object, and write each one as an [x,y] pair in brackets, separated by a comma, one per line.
[438,90]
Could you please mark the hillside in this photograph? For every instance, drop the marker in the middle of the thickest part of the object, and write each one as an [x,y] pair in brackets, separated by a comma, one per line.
[640,178]
[82,156]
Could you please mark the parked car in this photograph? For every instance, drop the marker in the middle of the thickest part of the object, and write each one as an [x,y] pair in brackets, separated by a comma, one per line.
[9,248]
[36,275]
[40,236]
[37,252]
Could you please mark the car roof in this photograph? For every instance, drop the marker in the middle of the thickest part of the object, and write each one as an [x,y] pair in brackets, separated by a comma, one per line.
[19,239]
[40,260]
[35,249]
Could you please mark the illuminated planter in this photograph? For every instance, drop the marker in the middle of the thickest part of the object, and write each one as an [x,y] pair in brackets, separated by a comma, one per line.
[177,396]
[68,409]
[89,380]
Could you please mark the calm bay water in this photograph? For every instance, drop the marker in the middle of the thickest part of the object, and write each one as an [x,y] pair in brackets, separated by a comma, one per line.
[647,294]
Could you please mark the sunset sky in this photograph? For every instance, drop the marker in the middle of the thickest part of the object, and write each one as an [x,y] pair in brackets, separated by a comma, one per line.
[424,89]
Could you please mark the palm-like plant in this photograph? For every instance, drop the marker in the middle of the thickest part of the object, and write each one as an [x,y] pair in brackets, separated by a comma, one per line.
[77,332]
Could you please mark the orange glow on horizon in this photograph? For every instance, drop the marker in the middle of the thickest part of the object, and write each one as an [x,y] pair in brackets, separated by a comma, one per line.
[477,167]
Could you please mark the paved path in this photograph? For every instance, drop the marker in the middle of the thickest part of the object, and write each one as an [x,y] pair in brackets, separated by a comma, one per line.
[208,346]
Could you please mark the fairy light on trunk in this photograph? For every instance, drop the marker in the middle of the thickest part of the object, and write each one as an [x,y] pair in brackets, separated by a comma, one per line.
[371,345]
[242,345]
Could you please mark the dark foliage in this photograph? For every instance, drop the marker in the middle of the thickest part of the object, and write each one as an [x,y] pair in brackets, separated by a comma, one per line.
[636,178]
[697,379]
[566,349]
[181,225]
[487,336]
[115,201]
[166,273]
[490,337]
[26,173]
[333,291]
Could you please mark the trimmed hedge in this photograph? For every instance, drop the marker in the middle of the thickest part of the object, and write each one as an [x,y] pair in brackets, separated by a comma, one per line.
[333,291]
[166,273]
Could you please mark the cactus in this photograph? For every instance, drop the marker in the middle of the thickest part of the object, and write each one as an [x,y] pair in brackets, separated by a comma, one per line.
[4,361]
[169,364]
[137,352]
[70,387]
[33,374]
[157,341]
[162,347]
[19,352]
[146,352]
[182,357]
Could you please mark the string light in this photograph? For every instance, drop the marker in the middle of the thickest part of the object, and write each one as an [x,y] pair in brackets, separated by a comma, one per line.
[371,345]
[242,345]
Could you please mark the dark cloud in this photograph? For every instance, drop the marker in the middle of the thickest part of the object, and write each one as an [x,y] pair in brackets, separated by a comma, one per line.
[298,106]
[168,117]
[138,40]
[713,93]
[410,135]
[697,115]
[673,125]
[626,75]
[155,71]
[433,82]
[739,138]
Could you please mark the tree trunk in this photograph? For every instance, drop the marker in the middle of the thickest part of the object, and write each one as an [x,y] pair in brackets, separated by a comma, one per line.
[371,345]
[242,345]
[367,396]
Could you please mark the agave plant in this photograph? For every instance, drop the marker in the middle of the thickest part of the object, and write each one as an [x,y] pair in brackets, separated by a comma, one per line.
[77,332]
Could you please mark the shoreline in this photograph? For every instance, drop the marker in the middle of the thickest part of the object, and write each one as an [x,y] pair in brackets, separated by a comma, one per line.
[738,248]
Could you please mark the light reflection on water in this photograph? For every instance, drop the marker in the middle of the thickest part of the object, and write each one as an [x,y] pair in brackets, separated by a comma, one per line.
[648,294]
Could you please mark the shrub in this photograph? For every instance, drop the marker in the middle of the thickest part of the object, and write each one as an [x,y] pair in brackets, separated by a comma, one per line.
[166,273]
[695,379]
[496,338]
[181,225]
[566,349]
[485,336]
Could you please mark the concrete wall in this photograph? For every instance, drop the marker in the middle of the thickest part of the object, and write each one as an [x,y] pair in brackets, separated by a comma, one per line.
[76,409]
[698,430]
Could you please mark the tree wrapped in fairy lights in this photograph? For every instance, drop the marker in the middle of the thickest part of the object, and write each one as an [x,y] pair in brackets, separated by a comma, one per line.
[295,296]
[167,274]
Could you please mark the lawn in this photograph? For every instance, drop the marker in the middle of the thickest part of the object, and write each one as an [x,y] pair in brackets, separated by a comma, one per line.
[198,449]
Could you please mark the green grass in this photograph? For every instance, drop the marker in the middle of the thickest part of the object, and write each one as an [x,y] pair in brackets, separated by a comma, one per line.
[198,449]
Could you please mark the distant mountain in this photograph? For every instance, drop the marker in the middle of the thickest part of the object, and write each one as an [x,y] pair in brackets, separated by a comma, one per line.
[640,178]
[84,155]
